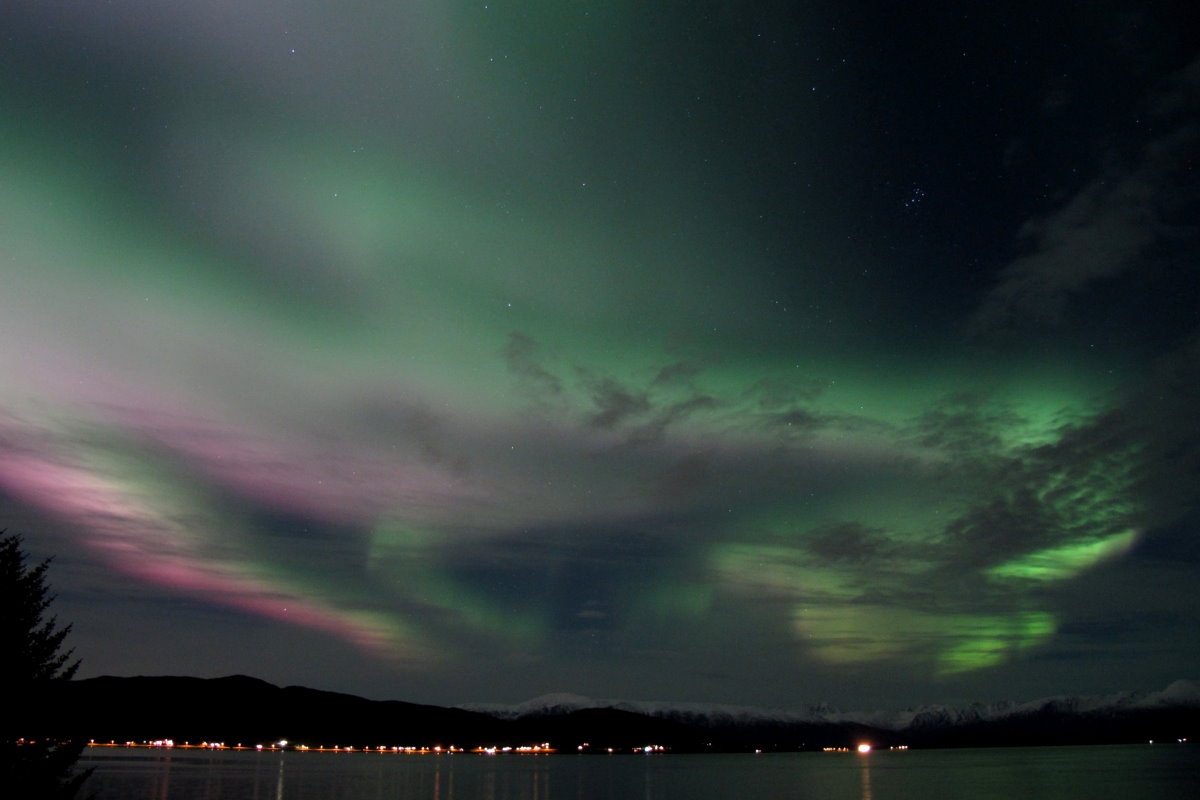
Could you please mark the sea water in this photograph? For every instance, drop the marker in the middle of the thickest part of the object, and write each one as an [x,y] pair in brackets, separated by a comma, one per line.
[1047,773]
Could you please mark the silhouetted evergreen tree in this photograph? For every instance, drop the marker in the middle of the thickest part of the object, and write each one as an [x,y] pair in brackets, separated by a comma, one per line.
[35,763]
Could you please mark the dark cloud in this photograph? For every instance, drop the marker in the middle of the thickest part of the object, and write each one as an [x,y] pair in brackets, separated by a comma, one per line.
[1176,542]
[679,372]
[798,420]
[672,414]
[993,532]
[412,427]
[645,413]
[965,426]
[687,479]
[849,543]
[1162,421]
[522,355]
[773,393]
[615,404]
[1110,226]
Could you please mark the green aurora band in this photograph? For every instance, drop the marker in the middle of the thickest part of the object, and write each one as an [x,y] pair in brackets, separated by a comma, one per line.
[489,347]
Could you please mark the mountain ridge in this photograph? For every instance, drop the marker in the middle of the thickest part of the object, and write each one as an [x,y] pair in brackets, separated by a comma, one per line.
[1181,692]
[246,710]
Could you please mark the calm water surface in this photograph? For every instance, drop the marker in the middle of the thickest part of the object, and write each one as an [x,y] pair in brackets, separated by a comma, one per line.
[1097,773]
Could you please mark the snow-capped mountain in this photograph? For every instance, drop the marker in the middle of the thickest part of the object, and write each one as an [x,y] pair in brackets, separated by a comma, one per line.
[1180,695]
[564,703]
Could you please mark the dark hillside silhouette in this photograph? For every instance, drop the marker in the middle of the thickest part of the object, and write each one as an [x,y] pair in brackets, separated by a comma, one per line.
[242,710]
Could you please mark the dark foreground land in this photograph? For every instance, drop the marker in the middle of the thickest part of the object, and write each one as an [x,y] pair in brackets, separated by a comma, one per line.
[243,710]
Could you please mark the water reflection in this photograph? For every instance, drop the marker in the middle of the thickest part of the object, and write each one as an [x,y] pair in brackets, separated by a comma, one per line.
[164,780]
[866,777]
[1033,773]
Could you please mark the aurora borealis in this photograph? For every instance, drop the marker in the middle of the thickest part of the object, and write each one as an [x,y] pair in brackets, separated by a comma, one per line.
[763,353]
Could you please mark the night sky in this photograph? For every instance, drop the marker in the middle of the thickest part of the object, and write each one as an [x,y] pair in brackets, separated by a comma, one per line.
[764,353]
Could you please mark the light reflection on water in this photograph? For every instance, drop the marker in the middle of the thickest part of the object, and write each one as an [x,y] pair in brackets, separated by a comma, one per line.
[1099,773]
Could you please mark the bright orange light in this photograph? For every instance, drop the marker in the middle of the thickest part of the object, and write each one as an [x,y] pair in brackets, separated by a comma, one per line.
[864,748]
